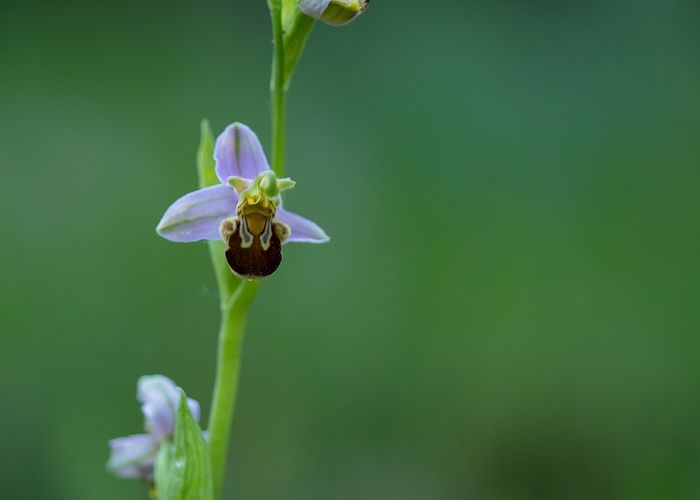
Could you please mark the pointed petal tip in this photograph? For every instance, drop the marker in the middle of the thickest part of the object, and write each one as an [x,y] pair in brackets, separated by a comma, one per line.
[161,230]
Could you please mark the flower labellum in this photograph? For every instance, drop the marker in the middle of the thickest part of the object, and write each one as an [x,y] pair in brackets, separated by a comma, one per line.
[253,237]
[333,12]
[245,209]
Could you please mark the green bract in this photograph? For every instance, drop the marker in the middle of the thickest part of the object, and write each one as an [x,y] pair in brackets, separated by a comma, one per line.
[183,468]
[340,12]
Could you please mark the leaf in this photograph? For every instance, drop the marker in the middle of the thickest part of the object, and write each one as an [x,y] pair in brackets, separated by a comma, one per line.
[206,171]
[205,157]
[297,27]
[183,468]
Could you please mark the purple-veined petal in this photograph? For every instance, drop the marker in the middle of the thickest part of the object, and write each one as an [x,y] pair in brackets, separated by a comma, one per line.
[238,153]
[313,8]
[159,397]
[303,230]
[197,215]
[132,456]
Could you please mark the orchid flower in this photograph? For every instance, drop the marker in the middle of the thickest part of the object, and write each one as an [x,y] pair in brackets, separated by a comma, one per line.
[245,209]
[133,456]
[333,12]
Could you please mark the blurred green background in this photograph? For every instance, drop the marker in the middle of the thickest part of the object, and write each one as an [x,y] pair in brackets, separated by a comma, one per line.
[508,309]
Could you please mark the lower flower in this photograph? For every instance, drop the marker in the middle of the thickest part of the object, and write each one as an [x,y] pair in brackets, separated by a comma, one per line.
[133,457]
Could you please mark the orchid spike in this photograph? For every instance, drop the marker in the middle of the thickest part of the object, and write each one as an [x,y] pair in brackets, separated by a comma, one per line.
[245,209]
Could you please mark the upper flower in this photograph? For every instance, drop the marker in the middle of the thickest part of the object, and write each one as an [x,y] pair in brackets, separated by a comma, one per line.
[245,209]
[333,12]
[133,456]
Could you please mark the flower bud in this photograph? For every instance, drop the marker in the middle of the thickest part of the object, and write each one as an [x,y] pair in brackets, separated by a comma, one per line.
[333,12]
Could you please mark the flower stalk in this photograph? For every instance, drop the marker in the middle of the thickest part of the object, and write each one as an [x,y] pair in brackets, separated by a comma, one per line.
[231,332]
[278,92]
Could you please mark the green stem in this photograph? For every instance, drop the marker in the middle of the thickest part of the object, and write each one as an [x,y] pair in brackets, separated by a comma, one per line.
[226,281]
[277,90]
[237,295]
[233,317]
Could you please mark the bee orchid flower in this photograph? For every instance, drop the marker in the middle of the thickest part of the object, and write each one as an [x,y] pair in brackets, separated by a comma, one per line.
[132,457]
[244,210]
